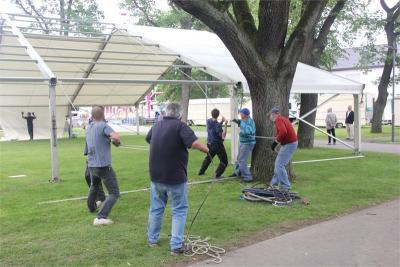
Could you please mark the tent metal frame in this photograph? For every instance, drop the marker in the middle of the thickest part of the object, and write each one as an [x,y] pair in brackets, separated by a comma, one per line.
[90,50]
[52,80]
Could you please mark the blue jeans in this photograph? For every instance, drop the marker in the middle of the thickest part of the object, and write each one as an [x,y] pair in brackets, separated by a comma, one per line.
[241,167]
[283,158]
[159,194]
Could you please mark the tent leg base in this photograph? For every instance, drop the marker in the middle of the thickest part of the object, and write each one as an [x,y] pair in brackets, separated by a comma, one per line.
[55,180]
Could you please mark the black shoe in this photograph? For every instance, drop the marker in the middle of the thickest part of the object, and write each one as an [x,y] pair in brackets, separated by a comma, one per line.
[248,181]
[200,173]
[218,177]
[178,251]
[233,175]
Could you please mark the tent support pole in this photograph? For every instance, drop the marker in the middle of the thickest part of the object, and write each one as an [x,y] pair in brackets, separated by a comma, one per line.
[137,119]
[315,109]
[53,130]
[69,119]
[318,129]
[234,127]
[357,128]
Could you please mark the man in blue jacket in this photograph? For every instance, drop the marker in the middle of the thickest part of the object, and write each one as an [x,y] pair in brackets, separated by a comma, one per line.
[247,142]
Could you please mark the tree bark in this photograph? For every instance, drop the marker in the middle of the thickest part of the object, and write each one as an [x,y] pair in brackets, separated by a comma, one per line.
[306,133]
[266,94]
[185,93]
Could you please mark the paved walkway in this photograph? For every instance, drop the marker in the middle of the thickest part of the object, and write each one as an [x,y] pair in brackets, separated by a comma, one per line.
[374,147]
[370,237]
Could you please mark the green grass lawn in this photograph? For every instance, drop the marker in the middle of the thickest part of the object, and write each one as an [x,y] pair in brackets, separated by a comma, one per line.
[62,234]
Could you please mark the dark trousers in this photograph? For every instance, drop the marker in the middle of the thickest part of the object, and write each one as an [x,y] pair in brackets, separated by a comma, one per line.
[332,132]
[30,132]
[101,196]
[108,177]
[219,150]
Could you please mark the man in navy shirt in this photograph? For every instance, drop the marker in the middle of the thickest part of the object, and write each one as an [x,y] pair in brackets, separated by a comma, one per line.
[215,142]
[98,152]
[169,140]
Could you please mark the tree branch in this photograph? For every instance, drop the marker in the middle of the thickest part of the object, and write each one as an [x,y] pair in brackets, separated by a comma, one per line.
[385,6]
[322,38]
[273,22]
[244,18]
[38,17]
[145,13]
[240,46]
[294,46]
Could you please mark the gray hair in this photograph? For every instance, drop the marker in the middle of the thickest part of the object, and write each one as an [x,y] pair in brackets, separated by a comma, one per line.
[173,110]
[98,113]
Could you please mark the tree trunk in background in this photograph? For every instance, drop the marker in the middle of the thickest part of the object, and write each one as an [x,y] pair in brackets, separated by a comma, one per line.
[306,133]
[308,102]
[185,93]
[380,103]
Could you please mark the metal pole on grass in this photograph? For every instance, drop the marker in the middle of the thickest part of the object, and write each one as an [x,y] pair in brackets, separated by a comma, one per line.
[394,82]
[53,130]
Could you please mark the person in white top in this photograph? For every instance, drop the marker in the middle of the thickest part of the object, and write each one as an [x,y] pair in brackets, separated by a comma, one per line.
[331,121]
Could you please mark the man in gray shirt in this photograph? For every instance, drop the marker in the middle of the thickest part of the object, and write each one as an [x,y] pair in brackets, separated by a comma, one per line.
[98,152]
[331,121]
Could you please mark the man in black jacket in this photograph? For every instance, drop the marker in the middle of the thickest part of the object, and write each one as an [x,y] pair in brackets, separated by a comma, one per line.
[29,123]
[169,141]
[349,123]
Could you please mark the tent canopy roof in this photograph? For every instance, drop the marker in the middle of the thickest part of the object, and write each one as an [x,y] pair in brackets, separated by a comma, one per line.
[206,49]
[139,54]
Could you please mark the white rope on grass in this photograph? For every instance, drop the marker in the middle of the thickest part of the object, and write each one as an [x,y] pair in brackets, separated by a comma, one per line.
[328,159]
[198,246]
[131,191]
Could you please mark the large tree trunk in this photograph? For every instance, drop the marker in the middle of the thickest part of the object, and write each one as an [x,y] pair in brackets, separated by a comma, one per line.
[185,93]
[305,133]
[266,94]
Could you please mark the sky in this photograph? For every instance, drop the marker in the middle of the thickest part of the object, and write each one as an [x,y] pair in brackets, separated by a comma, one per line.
[114,14]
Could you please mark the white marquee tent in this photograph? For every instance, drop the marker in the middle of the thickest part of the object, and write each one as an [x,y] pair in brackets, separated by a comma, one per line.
[49,73]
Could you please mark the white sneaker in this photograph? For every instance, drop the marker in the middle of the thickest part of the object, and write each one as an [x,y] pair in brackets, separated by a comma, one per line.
[102,221]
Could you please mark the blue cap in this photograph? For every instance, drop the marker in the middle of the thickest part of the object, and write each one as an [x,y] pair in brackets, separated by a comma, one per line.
[245,111]
[275,110]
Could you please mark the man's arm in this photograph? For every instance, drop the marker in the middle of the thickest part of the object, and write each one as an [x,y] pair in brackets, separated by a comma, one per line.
[33,115]
[281,131]
[199,146]
[114,136]
[148,136]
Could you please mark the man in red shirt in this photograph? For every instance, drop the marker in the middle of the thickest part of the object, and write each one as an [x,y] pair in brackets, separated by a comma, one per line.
[287,138]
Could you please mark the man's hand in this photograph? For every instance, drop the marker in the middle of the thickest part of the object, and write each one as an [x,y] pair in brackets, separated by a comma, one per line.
[274,145]
[200,146]
[115,139]
[236,121]
[223,119]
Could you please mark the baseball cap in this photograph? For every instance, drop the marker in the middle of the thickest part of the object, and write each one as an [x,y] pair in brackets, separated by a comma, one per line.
[245,111]
[274,110]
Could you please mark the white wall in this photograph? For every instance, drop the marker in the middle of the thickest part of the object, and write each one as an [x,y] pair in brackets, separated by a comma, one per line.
[370,79]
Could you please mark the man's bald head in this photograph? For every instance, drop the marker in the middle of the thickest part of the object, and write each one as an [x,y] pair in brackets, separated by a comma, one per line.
[98,113]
